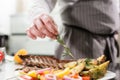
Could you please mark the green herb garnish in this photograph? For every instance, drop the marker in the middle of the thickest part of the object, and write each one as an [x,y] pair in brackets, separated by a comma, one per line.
[66,49]
[87,60]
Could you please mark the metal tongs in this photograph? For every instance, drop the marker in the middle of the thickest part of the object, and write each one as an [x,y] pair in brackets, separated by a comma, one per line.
[66,49]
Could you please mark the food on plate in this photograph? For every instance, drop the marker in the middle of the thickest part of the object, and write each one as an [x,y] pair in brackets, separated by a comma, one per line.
[50,77]
[72,78]
[101,59]
[25,77]
[17,59]
[32,74]
[71,64]
[43,61]
[77,69]
[96,72]
[50,68]
[61,74]
[86,78]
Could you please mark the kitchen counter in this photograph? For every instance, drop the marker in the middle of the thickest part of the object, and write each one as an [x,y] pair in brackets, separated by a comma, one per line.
[7,70]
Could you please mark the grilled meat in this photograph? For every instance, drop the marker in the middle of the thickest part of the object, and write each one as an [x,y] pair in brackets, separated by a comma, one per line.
[43,61]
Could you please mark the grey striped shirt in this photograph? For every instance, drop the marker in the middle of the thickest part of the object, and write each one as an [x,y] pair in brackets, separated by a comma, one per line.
[85,24]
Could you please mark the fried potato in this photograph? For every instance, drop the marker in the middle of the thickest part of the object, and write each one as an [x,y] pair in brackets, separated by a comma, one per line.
[103,67]
[94,62]
[70,64]
[101,59]
[90,63]
[80,61]
[78,68]
[88,67]
[85,73]
[99,71]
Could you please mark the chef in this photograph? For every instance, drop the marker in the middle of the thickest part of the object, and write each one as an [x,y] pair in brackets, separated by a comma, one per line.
[89,27]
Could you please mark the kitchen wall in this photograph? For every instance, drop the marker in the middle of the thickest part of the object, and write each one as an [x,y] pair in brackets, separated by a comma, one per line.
[9,8]
[6,9]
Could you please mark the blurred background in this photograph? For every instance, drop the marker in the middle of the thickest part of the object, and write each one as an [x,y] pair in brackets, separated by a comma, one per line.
[13,24]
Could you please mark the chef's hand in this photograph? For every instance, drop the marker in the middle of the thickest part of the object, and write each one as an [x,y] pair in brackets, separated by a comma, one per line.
[43,26]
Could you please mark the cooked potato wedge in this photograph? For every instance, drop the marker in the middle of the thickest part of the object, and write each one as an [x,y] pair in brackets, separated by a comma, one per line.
[70,64]
[80,61]
[85,73]
[78,68]
[103,67]
[99,71]
[101,59]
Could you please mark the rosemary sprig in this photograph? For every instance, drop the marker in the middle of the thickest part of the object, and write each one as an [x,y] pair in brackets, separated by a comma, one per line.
[66,49]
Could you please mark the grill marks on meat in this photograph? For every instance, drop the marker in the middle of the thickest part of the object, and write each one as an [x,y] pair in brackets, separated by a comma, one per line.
[43,61]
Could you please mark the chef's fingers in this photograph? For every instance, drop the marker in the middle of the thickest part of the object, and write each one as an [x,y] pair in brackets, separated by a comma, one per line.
[36,32]
[30,34]
[42,29]
[39,25]
[48,22]
[54,25]
[48,34]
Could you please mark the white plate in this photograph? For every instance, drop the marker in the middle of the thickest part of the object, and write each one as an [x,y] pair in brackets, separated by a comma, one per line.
[108,75]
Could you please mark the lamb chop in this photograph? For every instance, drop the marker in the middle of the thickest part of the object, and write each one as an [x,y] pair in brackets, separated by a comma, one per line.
[43,61]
